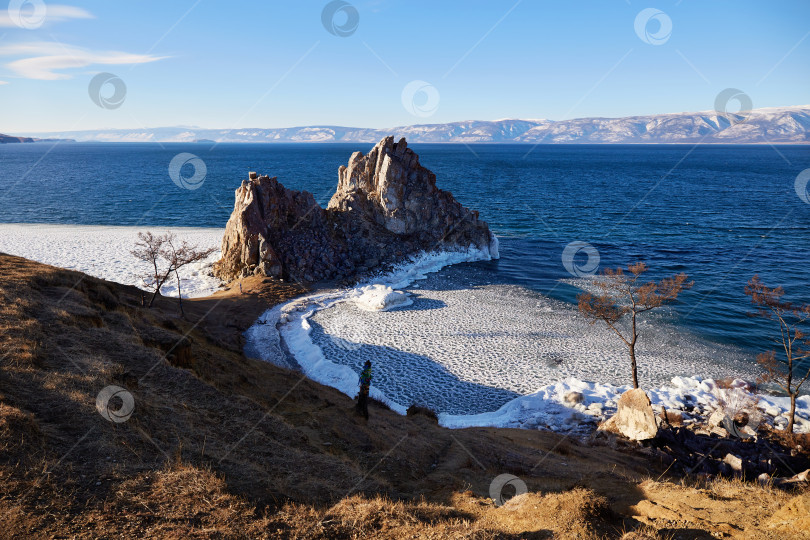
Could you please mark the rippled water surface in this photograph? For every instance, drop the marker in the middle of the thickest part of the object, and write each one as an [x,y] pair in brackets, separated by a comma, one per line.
[721,214]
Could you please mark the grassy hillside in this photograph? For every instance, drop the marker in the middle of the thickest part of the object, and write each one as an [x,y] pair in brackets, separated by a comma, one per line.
[222,446]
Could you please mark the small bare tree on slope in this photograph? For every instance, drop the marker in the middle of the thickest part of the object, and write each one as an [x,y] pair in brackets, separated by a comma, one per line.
[166,257]
[785,371]
[621,294]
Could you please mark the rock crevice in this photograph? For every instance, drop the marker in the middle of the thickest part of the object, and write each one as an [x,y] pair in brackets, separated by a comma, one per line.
[386,207]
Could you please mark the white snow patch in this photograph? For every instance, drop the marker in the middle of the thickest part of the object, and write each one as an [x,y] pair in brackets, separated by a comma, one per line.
[104,252]
[692,396]
[379,297]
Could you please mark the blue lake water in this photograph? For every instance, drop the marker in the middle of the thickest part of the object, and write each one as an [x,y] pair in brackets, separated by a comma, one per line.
[719,213]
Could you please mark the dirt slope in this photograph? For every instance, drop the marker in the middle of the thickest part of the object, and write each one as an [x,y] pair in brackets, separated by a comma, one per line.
[222,446]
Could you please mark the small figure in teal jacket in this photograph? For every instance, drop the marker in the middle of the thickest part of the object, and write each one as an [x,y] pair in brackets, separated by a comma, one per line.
[365,384]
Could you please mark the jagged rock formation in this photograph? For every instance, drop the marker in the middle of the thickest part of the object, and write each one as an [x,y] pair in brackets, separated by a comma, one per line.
[386,207]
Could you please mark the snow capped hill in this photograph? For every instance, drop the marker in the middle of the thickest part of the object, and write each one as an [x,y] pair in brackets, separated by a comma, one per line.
[784,125]
[771,125]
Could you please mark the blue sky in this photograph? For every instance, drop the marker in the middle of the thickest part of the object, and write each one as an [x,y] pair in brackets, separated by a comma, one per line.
[220,64]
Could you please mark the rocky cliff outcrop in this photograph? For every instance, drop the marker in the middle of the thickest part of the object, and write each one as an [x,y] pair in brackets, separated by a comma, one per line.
[11,139]
[386,207]
[4,139]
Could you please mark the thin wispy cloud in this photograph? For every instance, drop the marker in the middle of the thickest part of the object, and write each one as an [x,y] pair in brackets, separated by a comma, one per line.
[53,13]
[49,61]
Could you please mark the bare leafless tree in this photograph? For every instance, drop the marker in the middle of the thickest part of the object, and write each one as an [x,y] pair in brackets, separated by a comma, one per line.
[166,257]
[785,371]
[149,249]
[622,294]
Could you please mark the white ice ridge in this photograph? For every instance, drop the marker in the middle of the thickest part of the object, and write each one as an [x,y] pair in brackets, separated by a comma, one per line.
[290,321]
[379,297]
[691,396]
[104,252]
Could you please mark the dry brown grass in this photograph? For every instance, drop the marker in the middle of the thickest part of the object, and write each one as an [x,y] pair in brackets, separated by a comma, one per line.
[221,446]
[799,442]
[427,412]
[645,532]
[673,418]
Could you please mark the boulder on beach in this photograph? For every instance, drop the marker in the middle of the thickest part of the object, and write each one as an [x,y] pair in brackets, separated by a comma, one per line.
[386,207]
[634,418]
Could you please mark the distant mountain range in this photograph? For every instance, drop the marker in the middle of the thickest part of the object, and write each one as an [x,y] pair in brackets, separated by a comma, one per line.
[771,125]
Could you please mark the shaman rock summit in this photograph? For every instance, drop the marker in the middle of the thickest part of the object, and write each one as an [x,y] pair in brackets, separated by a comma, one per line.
[386,208]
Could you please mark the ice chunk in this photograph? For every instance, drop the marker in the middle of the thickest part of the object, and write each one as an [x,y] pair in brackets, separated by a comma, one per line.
[380,298]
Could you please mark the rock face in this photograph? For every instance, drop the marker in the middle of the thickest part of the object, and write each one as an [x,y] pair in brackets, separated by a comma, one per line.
[634,418]
[699,451]
[386,207]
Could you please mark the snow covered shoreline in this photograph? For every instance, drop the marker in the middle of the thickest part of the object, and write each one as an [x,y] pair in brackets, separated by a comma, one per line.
[290,321]
[104,252]
[693,397]
[550,407]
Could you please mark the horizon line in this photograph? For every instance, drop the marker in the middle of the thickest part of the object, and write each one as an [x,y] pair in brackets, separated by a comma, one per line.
[536,120]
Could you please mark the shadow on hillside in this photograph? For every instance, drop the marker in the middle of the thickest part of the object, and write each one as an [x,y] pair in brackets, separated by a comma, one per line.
[210,423]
